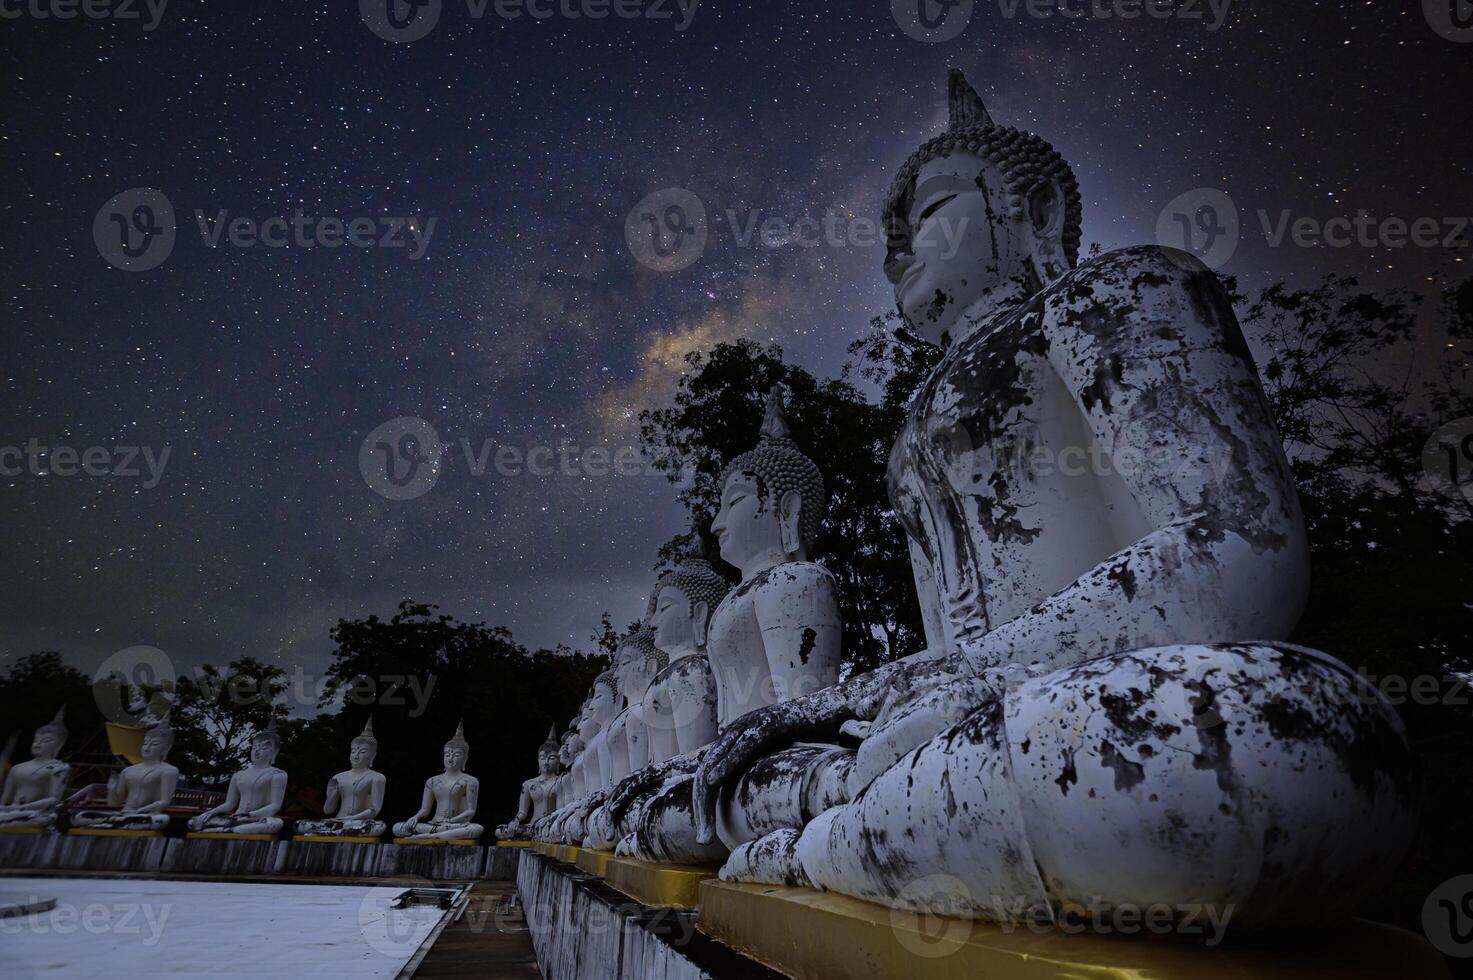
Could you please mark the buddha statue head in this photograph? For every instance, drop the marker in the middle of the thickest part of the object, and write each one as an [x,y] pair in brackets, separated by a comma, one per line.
[363,749]
[980,215]
[265,744]
[684,601]
[549,754]
[570,745]
[772,499]
[157,741]
[637,662]
[457,750]
[51,737]
[604,702]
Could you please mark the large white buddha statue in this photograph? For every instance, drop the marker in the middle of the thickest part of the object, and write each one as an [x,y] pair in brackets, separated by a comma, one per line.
[356,795]
[142,791]
[539,794]
[1108,714]
[565,790]
[255,794]
[34,790]
[604,702]
[624,744]
[448,808]
[774,637]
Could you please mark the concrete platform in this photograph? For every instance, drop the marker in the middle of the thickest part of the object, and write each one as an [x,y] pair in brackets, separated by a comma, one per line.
[341,857]
[676,886]
[222,854]
[436,860]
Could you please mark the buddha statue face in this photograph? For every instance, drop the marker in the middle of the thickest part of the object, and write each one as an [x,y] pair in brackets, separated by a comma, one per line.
[361,753]
[455,757]
[599,709]
[46,743]
[547,761]
[964,247]
[752,523]
[628,660]
[675,621]
[264,749]
[156,744]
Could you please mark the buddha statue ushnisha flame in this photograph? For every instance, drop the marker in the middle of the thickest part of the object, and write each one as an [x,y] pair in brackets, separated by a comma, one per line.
[1106,713]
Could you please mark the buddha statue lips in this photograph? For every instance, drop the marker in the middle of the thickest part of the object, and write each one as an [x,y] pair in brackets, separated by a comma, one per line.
[1106,713]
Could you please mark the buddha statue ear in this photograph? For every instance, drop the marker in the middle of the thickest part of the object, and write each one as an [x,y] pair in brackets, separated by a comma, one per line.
[789,509]
[700,615]
[1046,214]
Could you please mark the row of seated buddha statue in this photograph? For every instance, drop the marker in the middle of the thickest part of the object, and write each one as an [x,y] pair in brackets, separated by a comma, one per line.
[1106,713]
[34,792]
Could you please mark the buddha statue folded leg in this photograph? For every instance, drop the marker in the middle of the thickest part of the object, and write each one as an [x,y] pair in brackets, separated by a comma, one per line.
[666,831]
[1263,777]
[783,791]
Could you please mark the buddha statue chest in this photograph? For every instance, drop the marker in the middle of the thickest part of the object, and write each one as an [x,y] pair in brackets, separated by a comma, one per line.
[999,480]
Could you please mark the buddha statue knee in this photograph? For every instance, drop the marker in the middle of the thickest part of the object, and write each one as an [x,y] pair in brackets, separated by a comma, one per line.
[1034,760]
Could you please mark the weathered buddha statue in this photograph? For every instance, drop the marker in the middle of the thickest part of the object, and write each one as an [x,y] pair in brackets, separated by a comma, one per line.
[1108,715]
[356,795]
[775,636]
[538,793]
[255,794]
[679,706]
[142,791]
[448,808]
[34,790]
[604,702]
[624,744]
[565,790]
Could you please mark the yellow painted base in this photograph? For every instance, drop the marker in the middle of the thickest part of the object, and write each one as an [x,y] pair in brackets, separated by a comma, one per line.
[434,842]
[23,830]
[567,853]
[594,862]
[319,839]
[676,886]
[218,835]
[514,843]
[111,832]
[812,935]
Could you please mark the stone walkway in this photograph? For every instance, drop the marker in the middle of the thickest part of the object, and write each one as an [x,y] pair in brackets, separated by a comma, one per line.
[489,942]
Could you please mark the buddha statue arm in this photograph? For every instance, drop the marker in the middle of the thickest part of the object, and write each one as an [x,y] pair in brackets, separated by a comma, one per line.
[168,779]
[333,798]
[115,791]
[524,804]
[801,633]
[426,803]
[472,799]
[232,800]
[275,799]
[375,802]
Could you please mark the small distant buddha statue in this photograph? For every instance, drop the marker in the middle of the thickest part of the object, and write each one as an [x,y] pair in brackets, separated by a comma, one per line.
[255,794]
[565,790]
[774,637]
[1107,714]
[538,793]
[142,791]
[448,807]
[604,702]
[356,795]
[34,790]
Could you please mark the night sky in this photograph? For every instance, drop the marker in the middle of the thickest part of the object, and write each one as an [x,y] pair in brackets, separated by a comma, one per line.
[528,321]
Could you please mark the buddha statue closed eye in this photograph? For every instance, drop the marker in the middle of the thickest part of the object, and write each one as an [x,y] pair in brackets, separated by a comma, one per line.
[1107,711]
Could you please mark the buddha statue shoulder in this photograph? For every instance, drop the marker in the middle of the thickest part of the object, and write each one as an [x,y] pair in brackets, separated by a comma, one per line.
[1112,553]
[354,796]
[35,789]
[255,794]
[538,794]
[142,791]
[447,810]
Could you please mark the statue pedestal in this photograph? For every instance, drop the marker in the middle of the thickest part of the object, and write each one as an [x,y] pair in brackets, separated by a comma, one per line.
[208,852]
[306,854]
[503,860]
[27,847]
[670,886]
[806,934]
[438,860]
[594,862]
[106,849]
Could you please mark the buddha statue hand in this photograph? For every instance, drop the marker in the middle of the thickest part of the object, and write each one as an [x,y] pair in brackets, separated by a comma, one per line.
[813,717]
[643,782]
